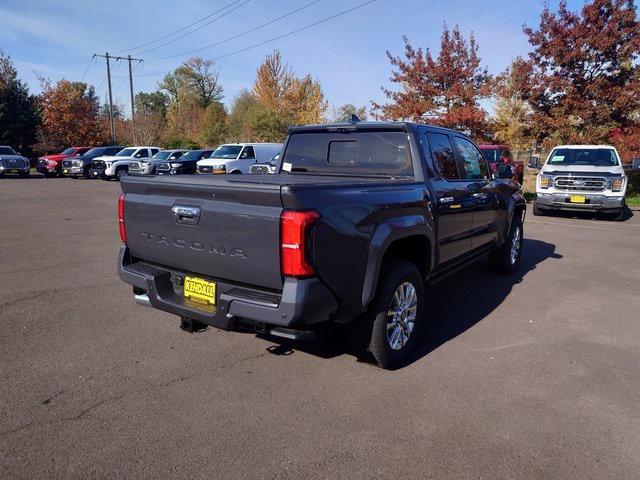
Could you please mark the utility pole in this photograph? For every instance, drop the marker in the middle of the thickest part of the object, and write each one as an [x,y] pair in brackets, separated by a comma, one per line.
[128,59]
[113,129]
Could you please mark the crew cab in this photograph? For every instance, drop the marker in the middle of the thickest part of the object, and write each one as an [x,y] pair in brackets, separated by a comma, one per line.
[117,166]
[12,162]
[359,216]
[237,157]
[148,166]
[80,165]
[185,164]
[50,165]
[582,178]
[497,154]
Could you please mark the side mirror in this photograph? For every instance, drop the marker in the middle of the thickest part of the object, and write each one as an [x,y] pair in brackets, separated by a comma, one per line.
[534,161]
[504,171]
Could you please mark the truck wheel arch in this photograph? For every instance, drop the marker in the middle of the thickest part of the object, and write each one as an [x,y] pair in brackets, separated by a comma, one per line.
[409,237]
[517,206]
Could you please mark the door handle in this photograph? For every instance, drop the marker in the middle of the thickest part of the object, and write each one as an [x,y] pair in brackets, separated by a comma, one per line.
[186,215]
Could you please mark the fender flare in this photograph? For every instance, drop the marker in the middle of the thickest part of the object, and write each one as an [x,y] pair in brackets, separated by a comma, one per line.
[517,201]
[384,235]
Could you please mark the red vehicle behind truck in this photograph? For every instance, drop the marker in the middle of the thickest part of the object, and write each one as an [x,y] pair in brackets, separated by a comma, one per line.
[52,164]
[496,154]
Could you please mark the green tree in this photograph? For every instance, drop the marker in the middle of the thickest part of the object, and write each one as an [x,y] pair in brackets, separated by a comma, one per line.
[195,78]
[512,123]
[214,125]
[151,103]
[344,112]
[19,115]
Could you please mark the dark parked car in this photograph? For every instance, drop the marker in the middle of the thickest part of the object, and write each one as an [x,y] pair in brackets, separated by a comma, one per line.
[80,165]
[360,216]
[184,164]
[12,162]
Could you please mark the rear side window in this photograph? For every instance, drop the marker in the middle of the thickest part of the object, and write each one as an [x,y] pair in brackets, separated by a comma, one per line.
[442,153]
[358,153]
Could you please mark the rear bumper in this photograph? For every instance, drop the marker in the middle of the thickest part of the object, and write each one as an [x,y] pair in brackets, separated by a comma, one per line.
[301,302]
[594,202]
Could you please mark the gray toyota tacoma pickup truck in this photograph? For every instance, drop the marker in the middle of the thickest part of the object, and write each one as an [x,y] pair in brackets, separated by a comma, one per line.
[359,217]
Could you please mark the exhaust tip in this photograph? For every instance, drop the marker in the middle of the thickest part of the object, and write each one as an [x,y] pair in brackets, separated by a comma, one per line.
[142,299]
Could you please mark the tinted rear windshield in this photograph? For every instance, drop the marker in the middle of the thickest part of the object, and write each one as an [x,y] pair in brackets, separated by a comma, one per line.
[357,153]
[595,157]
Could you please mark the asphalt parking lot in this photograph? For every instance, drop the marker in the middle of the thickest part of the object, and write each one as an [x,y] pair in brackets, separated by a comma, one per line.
[530,376]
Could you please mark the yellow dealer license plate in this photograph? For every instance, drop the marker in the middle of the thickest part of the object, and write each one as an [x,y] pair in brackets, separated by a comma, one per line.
[200,290]
[577,199]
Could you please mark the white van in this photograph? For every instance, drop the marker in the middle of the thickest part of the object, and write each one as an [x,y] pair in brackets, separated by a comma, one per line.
[237,157]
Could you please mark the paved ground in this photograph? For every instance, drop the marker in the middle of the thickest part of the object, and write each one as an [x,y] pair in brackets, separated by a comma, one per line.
[532,376]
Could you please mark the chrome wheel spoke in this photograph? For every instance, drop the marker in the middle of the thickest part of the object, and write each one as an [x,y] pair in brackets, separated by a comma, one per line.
[401,315]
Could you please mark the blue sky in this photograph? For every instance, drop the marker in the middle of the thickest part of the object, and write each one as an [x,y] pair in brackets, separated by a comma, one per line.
[55,38]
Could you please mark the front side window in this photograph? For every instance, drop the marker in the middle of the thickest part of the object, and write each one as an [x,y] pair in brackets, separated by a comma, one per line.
[175,155]
[248,154]
[193,155]
[442,153]
[473,163]
[357,153]
[142,153]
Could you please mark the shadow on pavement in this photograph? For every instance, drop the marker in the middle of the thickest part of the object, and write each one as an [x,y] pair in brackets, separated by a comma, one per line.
[628,214]
[454,305]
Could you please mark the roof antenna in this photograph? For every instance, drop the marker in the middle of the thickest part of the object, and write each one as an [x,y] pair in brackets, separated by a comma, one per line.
[354,118]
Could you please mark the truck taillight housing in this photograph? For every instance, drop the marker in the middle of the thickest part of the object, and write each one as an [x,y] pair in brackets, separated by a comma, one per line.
[294,229]
[123,230]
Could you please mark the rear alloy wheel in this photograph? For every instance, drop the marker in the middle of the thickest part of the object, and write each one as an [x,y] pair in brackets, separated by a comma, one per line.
[507,258]
[391,327]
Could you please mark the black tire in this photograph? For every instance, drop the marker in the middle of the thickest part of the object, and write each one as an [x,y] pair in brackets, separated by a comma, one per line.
[616,216]
[537,211]
[506,259]
[369,335]
[25,174]
[121,172]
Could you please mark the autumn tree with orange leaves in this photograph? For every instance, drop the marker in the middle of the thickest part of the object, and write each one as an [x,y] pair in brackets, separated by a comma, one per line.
[70,116]
[445,90]
[582,78]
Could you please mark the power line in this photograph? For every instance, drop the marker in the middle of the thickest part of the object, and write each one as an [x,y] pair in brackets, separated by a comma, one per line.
[179,30]
[87,69]
[188,52]
[195,29]
[343,12]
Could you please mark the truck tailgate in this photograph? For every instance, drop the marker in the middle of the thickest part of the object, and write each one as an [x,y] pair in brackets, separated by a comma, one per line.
[206,226]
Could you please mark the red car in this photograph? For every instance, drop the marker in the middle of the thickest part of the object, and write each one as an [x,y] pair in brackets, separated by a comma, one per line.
[501,154]
[52,164]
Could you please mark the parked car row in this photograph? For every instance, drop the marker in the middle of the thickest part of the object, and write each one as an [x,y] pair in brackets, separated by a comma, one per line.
[113,162]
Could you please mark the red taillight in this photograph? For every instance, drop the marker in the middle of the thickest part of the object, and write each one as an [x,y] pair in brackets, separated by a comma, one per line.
[293,233]
[123,231]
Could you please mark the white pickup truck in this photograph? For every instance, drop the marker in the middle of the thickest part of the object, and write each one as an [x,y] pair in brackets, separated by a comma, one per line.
[237,157]
[582,177]
[108,167]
